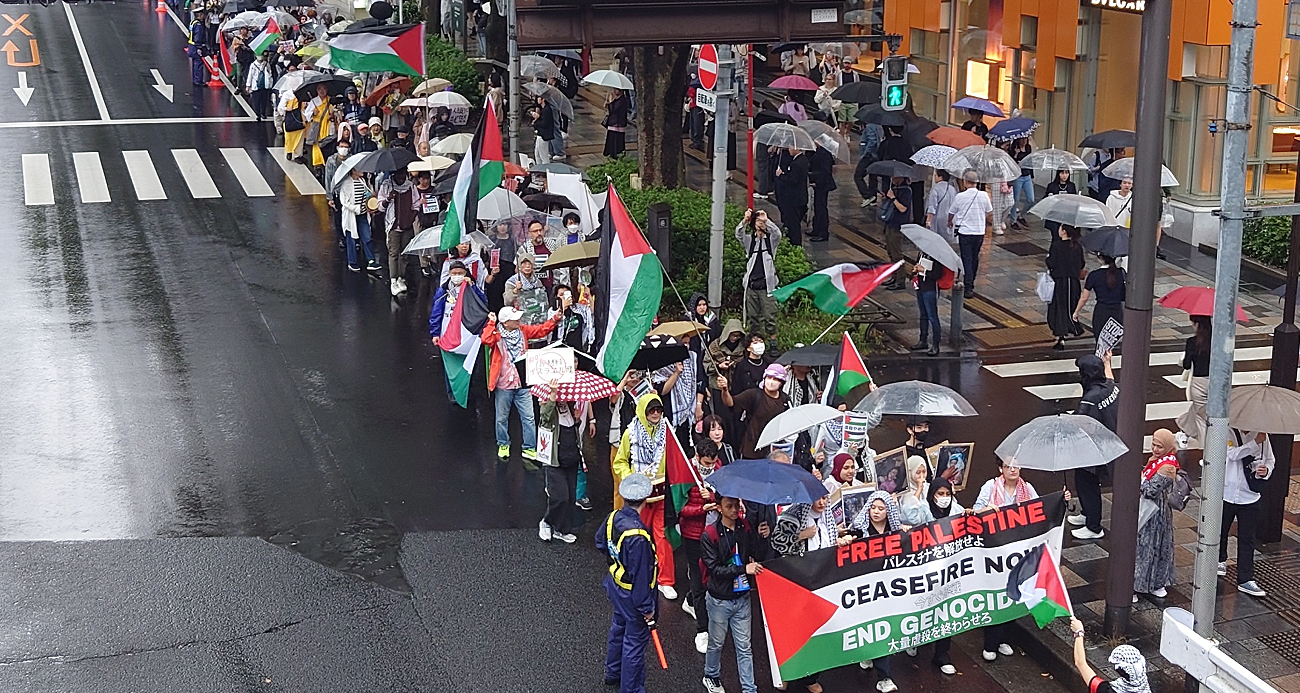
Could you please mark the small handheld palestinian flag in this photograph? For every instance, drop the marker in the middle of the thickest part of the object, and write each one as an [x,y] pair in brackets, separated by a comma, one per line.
[1036,582]
[461,340]
[838,288]
[849,372]
[681,476]
[266,38]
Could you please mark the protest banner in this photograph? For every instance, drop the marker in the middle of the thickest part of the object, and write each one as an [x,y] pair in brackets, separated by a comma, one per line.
[883,594]
[1112,333]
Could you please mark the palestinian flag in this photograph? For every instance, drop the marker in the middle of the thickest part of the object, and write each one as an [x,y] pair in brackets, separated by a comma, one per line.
[266,38]
[1036,582]
[629,283]
[380,49]
[839,288]
[849,371]
[460,340]
[681,475]
[480,171]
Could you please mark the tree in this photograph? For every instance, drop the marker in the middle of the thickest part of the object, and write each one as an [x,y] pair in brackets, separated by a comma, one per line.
[660,77]
[432,17]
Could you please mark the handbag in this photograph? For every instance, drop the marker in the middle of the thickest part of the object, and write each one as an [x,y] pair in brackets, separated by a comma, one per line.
[313,133]
[1046,287]
[293,120]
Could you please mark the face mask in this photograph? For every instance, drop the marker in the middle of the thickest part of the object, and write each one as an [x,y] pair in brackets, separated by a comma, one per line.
[920,435]
[758,348]
[573,228]
[343,152]
[456,279]
[943,501]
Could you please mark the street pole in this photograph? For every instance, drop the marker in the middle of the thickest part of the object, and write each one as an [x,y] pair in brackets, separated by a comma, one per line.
[954,313]
[1227,272]
[1152,78]
[1286,346]
[512,49]
[721,121]
[749,124]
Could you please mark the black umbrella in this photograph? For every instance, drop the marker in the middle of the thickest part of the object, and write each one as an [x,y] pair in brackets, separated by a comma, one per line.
[1110,139]
[814,355]
[387,160]
[864,91]
[783,47]
[237,6]
[893,169]
[1107,240]
[766,116]
[544,201]
[916,130]
[658,351]
[445,187]
[336,85]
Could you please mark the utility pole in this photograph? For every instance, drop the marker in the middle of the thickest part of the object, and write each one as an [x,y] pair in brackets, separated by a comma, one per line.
[1227,272]
[721,123]
[512,50]
[1139,296]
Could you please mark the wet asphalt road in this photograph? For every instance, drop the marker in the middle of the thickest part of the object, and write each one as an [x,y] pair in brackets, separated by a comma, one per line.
[184,378]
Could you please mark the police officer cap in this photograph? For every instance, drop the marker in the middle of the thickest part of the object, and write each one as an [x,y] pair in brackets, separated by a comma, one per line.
[636,487]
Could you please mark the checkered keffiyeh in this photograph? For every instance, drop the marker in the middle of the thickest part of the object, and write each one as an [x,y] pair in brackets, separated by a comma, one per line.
[586,387]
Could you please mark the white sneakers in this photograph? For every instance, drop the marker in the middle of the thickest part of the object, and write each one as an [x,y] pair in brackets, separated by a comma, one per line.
[869,664]
[989,656]
[713,685]
[686,606]
[702,642]
[948,669]
[1085,533]
[393,288]
[886,686]
[668,592]
[1160,593]
[1077,520]
[566,538]
[911,651]
[1003,649]
[544,531]
[1222,570]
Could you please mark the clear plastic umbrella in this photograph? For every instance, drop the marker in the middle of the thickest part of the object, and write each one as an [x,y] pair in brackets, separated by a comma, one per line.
[425,243]
[1060,442]
[934,245]
[1053,159]
[553,96]
[1123,168]
[537,67]
[990,164]
[291,81]
[915,398]
[828,137]
[248,18]
[933,156]
[785,136]
[794,421]
[1079,211]
[500,204]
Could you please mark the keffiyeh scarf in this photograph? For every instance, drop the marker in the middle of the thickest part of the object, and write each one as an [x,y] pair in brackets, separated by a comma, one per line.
[893,519]
[647,447]
[1129,660]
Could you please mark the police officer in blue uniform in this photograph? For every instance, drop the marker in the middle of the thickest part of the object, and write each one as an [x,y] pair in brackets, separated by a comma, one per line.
[198,39]
[630,585]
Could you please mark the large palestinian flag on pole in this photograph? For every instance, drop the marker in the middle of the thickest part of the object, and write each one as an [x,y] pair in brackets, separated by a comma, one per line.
[629,284]
[1036,582]
[838,288]
[461,341]
[380,49]
[480,171]
[884,594]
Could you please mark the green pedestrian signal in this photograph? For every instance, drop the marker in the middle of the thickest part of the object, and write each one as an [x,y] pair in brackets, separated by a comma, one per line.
[893,78]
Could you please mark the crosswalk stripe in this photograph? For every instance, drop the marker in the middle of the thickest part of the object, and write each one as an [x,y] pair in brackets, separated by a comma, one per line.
[1164,358]
[1159,411]
[38,185]
[195,173]
[144,177]
[298,174]
[1238,378]
[1059,391]
[246,171]
[90,177]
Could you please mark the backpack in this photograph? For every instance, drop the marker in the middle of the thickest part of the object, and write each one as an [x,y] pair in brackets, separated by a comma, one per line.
[1181,492]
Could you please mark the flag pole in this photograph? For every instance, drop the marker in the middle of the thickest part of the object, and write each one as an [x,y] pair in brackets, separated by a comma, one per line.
[828,329]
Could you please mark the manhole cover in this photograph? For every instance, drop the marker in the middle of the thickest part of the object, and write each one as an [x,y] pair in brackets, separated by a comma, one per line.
[1023,248]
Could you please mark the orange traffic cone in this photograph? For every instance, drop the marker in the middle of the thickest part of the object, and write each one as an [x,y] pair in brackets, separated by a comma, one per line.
[161,8]
[215,81]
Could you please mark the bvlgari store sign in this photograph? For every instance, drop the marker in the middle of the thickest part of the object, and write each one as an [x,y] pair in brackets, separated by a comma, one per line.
[1130,6]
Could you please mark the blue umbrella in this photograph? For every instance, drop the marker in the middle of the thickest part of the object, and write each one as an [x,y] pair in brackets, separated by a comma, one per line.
[1013,128]
[767,482]
[973,103]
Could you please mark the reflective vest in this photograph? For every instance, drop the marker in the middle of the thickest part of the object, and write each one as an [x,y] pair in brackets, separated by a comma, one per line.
[615,549]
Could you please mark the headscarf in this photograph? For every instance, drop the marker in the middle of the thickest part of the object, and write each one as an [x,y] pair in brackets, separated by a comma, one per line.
[935,511]
[648,443]
[1129,660]
[837,464]
[785,539]
[1166,439]
[893,520]
[914,463]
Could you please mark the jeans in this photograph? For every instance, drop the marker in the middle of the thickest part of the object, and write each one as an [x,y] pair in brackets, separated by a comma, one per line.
[927,301]
[969,244]
[363,230]
[734,614]
[1246,516]
[557,144]
[522,400]
[1022,185]
[1088,487]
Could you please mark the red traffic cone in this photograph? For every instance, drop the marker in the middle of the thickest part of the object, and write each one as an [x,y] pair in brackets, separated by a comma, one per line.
[161,8]
[215,81]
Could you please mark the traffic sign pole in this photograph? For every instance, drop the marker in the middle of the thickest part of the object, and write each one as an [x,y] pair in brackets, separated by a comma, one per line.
[721,121]
[749,125]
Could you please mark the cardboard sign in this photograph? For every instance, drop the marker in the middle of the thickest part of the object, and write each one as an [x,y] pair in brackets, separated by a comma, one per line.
[545,439]
[550,364]
[1111,334]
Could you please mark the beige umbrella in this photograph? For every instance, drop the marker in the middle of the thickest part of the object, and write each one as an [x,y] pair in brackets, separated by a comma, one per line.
[1265,408]
[677,328]
[453,144]
[574,255]
[430,163]
[429,86]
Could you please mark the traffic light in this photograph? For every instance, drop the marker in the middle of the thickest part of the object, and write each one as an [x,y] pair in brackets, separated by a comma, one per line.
[893,83]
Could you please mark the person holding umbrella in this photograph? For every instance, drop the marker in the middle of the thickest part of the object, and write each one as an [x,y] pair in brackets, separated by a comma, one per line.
[1107,283]
[567,421]
[630,585]
[1065,264]
[353,193]
[821,175]
[791,170]
[617,107]
[1019,149]
[925,279]
[1250,464]
[317,114]
[975,122]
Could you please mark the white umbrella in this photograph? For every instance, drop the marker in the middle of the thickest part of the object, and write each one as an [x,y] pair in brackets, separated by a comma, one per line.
[991,164]
[933,156]
[537,67]
[292,80]
[609,78]
[419,102]
[248,18]
[448,99]
[425,243]
[793,421]
[429,86]
[284,19]
[934,245]
[785,136]
[828,138]
[430,163]
[1123,168]
[346,167]
[1053,159]
[500,204]
[1266,408]
[1060,442]
[1079,211]
[453,144]
[915,398]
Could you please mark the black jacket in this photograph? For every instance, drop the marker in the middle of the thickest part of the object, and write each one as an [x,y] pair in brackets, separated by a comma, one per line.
[792,184]
[1100,394]
[821,169]
[718,546]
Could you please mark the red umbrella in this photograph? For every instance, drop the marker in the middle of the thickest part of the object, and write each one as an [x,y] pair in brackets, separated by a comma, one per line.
[794,82]
[402,83]
[955,137]
[513,169]
[1196,300]
[586,387]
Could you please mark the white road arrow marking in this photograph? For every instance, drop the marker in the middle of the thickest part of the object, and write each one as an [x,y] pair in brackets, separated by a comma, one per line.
[162,87]
[23,91]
